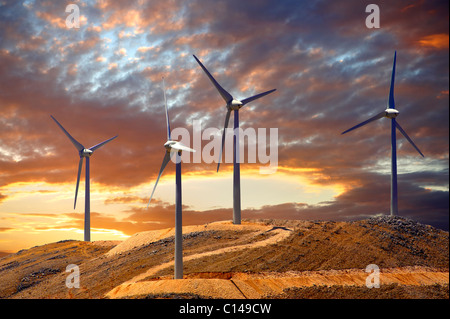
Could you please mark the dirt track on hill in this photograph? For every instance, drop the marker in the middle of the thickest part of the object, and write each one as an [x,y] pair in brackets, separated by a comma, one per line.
[263,285]
[258,285]
[277,234]
[258,259]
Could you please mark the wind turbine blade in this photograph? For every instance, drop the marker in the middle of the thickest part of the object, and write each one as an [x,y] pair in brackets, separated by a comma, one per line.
[391,102]
[225,95]
[227,118]
[166,160]
[257,96]
[93,148]
[78,145]
[374,118]
[80,165]
[408,138]
[167,112]
[180,147]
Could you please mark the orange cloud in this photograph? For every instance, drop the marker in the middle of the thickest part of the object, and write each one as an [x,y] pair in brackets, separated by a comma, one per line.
[57,21]
[2,197]
[125,199]
[437,41]
[442,94]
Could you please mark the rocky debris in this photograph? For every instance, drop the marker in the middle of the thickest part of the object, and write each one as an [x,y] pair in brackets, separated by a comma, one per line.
[57,257]
[167,296]
[405,232]
[404,236]
[35,277]
[390,291]
[403,225]
[9,265]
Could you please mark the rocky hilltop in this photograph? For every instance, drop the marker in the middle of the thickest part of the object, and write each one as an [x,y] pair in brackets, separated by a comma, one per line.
[258,259]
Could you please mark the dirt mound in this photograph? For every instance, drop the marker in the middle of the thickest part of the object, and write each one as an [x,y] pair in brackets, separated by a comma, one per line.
[222,260]
[264,285]
[203,288]
[32,268]
[148,237]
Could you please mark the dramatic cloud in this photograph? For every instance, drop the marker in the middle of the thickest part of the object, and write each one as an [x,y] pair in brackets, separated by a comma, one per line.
[330,72]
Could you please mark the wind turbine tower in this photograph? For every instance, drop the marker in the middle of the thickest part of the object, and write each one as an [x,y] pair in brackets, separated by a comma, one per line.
[391,113]
[233,104]
[173,147]
[84,153]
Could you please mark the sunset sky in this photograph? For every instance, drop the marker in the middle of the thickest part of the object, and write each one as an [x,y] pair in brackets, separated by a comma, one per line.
[104,79]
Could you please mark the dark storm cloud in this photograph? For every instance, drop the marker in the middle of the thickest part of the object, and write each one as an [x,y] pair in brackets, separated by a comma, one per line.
[330,71]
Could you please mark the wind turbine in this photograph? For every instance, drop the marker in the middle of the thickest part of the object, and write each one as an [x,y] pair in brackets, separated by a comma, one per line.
[233,105]
[84,153]
[173,147]
[391,113]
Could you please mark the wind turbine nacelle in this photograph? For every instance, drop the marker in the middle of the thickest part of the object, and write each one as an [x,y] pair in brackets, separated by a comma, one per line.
[168,145]
[235,104]
[391,113]
[86,153]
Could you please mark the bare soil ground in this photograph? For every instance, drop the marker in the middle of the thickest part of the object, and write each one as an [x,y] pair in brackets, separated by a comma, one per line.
[282,285]
[388,291]
[258,259]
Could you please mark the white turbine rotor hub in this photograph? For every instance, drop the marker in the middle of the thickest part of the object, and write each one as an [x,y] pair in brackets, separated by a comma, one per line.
[168,145]
[236,104]
[391,113]
[86,153]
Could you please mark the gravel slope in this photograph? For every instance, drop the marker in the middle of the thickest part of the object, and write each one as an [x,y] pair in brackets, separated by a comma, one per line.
[258,258]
